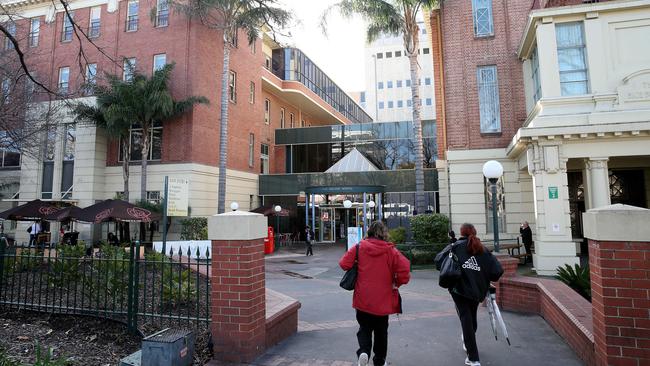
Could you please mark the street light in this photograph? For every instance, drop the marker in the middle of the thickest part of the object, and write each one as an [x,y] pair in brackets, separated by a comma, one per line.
[277,210]
[493,170]
[234,206]
[347,204]
[371,204]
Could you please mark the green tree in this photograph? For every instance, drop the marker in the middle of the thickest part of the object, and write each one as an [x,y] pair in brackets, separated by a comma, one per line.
[397,18]
[142,101]
[229,17]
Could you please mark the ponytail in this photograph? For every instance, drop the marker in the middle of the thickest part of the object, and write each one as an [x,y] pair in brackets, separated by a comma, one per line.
[474,246]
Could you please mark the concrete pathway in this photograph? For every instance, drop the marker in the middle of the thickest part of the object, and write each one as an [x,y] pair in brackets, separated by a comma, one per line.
[428,333]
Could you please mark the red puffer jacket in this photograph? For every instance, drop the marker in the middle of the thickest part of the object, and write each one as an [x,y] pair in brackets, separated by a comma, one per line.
[382,269]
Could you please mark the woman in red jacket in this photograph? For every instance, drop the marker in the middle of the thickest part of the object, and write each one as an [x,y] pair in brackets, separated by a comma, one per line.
[382,269]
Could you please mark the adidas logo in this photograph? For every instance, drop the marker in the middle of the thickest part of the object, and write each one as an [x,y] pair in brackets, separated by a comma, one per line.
[472,264]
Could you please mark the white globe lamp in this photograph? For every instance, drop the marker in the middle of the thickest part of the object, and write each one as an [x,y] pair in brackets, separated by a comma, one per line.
[234,206]
[492,170]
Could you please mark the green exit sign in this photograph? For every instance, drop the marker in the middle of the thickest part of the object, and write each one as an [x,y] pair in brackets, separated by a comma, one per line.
[552,193]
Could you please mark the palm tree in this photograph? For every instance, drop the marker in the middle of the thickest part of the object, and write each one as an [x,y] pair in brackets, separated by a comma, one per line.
[229,17]
[398,18]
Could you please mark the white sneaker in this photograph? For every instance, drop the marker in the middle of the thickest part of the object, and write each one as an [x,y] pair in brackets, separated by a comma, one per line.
[363,359]
[471,363]
[462,340]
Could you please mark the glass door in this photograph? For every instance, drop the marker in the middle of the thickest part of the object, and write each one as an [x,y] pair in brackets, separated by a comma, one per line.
[327,225]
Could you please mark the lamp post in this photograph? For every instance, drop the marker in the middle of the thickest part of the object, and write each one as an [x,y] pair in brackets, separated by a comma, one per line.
[493,170]
[234,206]
[371,204]
[347,204]
[277,210]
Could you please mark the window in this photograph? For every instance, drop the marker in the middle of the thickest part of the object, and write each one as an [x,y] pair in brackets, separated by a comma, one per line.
[501,206]
[424,31]
[291,120]
[427,81]
[69,142]
[159,61]
[534,72]
[128,68]
[90,78]
[66,34]
[6,90]
[232,87]
[11,29]
[425,51]
[362,97]
[132,16]
[281,117]
[389,54]
[162,13]
[380,85]
[302,123]
[488,99]
[267,111]
[9,151]
[381,105]
[482,10]
[409,102]
[408,82]
[389,84]
[429,101]
[264,159]
[95,22]
[390,104]
[155,146]
[34,32]
[400,104]
[571,58]
[251,150]
[267,63]
[251,93]
[64,79]
[380,55]
[399,83]
[398,53]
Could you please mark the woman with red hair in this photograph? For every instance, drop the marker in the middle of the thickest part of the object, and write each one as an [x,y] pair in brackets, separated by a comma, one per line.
[479,268]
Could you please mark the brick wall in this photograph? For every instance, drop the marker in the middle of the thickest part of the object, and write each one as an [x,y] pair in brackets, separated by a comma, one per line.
[620,276]
[238,299]
[462,53]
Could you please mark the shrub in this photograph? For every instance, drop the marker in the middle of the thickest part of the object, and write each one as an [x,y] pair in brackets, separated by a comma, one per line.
[109,278]
[430,228]
[66,264]
[194,228]
[577,278]
[177,282]
[397,236]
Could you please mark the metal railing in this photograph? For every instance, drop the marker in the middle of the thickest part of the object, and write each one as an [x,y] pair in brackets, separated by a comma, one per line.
[144,289]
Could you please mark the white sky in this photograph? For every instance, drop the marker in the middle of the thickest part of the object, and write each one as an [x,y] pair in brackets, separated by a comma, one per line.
[341,53]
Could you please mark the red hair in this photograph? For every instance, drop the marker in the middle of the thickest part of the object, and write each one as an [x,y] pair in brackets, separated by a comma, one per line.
[474,245]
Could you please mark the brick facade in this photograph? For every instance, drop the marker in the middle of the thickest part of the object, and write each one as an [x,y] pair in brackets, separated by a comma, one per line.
[620,278]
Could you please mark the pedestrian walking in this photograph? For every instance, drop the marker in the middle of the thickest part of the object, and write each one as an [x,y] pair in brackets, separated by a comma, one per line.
[382,269]
[527,238]
[309,238]
[479,267]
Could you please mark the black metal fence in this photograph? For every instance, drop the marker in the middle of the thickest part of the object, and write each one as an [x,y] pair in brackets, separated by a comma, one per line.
[142,288]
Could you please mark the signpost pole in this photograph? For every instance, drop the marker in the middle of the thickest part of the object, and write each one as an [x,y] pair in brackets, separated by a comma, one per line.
[164,218]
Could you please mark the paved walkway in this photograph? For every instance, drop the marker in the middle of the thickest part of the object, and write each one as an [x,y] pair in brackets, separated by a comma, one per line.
[428,333]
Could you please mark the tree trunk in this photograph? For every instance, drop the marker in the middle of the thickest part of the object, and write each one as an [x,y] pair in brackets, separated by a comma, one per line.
[145,156]
[126,147]
[223,135]
[420,203]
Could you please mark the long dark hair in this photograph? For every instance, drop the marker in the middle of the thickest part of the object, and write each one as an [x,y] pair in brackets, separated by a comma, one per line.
[474,245]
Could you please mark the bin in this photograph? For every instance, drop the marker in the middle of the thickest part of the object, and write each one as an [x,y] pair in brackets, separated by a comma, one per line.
[169,347]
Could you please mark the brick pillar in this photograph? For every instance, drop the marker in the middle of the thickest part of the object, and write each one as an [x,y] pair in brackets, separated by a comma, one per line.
[509,266]
[238,285]
[619,260]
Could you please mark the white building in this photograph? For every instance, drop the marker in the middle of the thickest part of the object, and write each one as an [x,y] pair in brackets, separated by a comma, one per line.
[388,79]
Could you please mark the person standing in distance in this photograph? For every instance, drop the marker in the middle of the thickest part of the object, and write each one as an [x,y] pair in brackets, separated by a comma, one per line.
[479,268]
[382,269]
[309,238]
[527,238]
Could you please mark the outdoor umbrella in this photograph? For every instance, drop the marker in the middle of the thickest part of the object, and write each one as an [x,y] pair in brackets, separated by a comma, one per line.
[115,210]
[269,210]
[64,214]
[30,211]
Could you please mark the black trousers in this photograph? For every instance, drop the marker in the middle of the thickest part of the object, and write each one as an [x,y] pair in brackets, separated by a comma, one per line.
[466,310]
[369,324]
[528,251]
[309,249]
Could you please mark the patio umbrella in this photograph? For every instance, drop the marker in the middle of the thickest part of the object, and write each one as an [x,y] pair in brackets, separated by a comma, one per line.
[30,211]
[269,210]
[64,214]
[115,210]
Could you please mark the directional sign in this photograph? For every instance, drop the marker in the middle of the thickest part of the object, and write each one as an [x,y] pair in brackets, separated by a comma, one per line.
[178,191]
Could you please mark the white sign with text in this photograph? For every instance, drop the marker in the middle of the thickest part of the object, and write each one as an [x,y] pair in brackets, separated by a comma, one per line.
[178,191]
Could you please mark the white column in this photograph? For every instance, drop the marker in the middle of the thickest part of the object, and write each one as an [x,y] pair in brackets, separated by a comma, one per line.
[598,182]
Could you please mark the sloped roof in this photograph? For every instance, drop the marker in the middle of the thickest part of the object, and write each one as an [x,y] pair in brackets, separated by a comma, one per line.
[354,161]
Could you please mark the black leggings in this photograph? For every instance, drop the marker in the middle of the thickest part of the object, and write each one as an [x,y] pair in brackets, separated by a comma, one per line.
[466,309]
[369,324]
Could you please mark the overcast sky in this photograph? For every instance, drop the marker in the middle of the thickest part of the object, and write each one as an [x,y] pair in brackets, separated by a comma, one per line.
[340,54]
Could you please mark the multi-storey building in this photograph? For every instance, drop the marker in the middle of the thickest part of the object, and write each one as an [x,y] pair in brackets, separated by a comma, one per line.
[573,131]
[387,97]
[82,165]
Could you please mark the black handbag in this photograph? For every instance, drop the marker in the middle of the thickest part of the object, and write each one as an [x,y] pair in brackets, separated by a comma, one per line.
[350,277]
[450,269]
